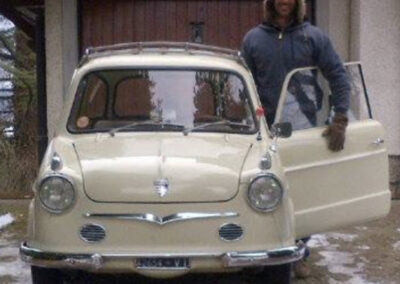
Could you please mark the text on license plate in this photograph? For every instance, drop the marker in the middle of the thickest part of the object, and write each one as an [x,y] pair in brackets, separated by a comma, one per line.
[162,263]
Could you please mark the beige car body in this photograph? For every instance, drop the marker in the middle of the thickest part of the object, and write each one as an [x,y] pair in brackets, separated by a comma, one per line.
[346,187]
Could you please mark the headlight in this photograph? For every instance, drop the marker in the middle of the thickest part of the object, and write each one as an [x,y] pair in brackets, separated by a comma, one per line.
[265,193]
[56,193]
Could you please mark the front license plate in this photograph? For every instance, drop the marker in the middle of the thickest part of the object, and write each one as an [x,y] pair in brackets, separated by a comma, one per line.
[162,263]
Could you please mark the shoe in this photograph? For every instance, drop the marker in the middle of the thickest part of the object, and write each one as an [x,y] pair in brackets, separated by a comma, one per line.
[301,269]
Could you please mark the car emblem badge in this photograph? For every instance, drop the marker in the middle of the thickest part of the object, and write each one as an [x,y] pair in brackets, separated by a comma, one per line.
[162,187]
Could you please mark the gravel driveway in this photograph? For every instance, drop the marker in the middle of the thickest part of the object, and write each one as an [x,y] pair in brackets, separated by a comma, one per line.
[368,253]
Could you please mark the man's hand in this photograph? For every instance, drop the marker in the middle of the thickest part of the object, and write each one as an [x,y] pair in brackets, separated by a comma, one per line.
[335,133]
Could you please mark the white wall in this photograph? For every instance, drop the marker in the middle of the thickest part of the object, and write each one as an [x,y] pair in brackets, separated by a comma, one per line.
[333,17]
[380,54]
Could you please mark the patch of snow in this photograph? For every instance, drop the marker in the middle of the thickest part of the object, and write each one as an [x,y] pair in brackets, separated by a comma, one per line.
[342,237]
[14,267]
[361,228]
[363,247]
[338,262]
[322,240]
[6,220]
[317,241]
[398,230]
[396,245]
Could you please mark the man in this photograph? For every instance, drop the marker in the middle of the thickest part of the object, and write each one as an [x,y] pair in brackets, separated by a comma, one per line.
[285,42]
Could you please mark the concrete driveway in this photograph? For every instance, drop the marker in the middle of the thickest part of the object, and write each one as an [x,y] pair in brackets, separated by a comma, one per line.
[368,253]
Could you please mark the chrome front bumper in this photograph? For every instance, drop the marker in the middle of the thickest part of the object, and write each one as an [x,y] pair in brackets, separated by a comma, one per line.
[96,261]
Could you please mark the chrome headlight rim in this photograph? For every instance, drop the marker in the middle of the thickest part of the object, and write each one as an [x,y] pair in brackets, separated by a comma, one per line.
[277,180]
[56,175]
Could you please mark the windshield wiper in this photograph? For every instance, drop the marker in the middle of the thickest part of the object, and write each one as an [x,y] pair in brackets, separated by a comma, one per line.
[144,123]
[221,122]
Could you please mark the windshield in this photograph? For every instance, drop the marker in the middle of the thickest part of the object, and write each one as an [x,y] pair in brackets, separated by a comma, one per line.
[162,100]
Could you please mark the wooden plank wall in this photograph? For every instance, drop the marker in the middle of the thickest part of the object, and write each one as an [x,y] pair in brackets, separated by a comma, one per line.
[225,21]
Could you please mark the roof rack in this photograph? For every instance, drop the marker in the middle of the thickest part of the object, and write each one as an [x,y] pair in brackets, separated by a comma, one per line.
[161,46]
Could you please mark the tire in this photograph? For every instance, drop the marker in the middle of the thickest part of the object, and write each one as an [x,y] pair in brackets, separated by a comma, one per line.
[42,275]
[278,274]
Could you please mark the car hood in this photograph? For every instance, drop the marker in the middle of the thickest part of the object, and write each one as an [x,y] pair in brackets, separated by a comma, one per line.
[160,169]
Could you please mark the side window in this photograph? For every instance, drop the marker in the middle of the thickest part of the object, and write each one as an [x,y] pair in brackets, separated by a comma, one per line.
[359,103]
[133,98]
[305,102]
[305,105]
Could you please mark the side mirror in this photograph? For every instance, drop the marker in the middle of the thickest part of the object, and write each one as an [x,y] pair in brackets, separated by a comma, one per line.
[281,130]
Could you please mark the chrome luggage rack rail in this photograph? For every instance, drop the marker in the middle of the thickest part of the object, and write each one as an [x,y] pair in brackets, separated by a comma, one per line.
[158,46]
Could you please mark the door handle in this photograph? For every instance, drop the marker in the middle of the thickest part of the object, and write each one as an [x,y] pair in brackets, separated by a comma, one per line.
[378,141]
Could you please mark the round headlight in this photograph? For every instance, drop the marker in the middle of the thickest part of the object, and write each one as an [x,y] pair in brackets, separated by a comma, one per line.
[56,193]
[265,193]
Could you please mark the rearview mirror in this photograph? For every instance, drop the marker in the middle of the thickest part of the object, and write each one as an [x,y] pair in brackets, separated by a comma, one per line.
[282,129]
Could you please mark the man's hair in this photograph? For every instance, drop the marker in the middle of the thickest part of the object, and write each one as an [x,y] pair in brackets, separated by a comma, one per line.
[270,13]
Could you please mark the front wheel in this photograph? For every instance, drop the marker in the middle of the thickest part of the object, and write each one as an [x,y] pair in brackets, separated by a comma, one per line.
[278,274]
[42,275]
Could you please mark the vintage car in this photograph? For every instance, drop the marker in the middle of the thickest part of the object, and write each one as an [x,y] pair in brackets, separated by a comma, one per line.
[163,164]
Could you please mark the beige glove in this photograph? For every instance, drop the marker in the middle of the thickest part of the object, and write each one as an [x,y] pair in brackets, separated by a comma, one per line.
[335,133]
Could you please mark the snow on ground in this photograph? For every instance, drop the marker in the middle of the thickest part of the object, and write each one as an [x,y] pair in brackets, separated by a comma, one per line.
[14,267]
[396,245]
[6,220]
[339,262]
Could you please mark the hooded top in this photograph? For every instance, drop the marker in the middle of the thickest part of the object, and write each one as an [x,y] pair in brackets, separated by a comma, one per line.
[271,53]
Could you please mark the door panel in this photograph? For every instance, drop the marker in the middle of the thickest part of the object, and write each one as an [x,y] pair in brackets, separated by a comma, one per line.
[331,190]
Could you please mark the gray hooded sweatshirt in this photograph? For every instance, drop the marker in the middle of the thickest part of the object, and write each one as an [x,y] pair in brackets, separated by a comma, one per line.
[271,53]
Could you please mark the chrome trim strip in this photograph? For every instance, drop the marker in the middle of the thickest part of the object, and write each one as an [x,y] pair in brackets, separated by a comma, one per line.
[96,260]
[273,257]
[151,218]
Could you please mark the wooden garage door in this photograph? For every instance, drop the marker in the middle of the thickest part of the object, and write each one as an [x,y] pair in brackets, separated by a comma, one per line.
[215,22]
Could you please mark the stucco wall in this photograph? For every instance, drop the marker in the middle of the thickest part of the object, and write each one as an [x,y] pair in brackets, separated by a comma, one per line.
[333,17]
[380,55]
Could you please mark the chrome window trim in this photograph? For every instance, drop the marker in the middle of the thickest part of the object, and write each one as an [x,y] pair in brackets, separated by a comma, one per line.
[151,218]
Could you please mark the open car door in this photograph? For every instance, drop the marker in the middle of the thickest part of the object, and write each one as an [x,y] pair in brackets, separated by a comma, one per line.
[331,189]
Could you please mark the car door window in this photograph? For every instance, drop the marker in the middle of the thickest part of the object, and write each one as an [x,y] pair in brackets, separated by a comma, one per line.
[305,98]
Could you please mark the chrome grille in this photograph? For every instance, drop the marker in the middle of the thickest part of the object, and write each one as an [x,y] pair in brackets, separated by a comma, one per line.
[92,233]
[230,232]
